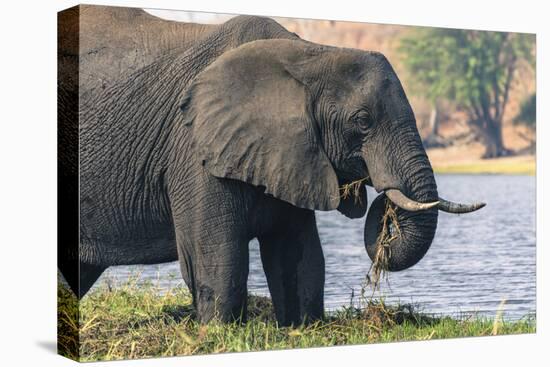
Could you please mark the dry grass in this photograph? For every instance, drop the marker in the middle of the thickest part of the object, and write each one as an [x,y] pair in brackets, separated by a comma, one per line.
[67,323]
[134,321]
[390,231]
[352,189]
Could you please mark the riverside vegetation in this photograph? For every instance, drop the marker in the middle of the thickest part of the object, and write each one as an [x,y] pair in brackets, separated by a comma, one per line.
[135,321]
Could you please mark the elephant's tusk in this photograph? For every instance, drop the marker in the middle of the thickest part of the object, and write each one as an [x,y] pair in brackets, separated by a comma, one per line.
[399,199]
[457,208]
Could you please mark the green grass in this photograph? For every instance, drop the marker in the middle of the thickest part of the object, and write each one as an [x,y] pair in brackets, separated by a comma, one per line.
[491,167]
[135,322]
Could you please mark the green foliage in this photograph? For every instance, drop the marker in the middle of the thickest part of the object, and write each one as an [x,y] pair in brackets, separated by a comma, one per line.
[134,321]
[528,111]
[468,67]
[473,69]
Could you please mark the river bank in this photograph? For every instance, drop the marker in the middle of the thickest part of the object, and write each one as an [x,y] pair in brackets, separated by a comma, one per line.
[515,165]
[136,322]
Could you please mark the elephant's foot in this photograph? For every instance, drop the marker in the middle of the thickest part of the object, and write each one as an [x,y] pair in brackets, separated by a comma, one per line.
[216,275]
[211,305]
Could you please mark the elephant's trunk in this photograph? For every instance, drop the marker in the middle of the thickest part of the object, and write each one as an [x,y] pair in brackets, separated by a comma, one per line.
[408,184]
[409,238]
[399,168]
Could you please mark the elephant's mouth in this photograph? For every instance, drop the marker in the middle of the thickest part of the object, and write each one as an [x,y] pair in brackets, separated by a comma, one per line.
[353,198]
[353,187]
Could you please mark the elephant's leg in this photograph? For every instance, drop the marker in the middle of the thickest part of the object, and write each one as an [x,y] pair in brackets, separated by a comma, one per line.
[295,269]
[185,257]
[69,269]
[214,265]
[80,277]
[88,275]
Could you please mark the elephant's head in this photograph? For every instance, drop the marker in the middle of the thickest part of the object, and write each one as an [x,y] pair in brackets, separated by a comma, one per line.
[299,120]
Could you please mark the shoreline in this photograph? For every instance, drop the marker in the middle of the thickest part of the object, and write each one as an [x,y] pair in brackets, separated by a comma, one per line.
[132,322]
[520,165]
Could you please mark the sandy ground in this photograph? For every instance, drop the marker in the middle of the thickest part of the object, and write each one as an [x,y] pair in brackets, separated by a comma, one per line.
[461,158]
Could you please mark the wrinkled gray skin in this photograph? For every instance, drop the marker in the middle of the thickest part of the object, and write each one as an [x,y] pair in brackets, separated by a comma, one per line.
[243,135]
[99,46]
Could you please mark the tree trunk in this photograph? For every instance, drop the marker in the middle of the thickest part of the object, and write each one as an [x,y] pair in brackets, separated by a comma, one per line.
[433,139]
[433,123]
[492,138]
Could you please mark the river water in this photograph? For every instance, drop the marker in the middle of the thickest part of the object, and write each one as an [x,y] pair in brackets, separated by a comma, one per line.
[476,260]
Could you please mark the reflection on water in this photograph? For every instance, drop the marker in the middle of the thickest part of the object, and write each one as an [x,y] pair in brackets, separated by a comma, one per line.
[475,261]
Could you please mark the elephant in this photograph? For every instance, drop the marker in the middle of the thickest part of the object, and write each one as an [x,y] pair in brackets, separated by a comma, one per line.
[98,46]
[244,134]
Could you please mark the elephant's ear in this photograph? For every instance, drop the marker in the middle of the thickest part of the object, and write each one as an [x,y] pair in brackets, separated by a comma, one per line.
[251,122]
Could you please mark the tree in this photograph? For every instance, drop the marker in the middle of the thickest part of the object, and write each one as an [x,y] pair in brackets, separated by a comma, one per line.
[473,69]
[528,112]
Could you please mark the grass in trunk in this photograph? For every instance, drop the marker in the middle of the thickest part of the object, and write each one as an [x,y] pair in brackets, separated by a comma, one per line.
[390,231]
[135,321]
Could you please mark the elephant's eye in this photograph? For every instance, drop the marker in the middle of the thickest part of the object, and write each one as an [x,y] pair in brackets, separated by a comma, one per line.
[362,119]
